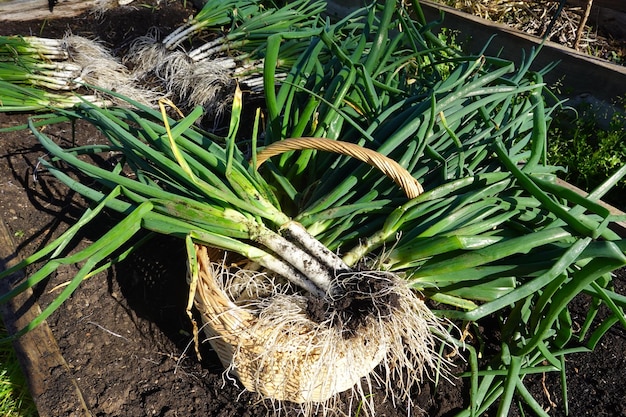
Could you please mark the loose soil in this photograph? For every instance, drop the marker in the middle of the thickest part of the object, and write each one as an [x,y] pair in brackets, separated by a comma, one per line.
[125,334]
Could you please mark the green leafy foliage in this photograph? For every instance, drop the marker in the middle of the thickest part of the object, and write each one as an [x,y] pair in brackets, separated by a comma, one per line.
[590,143]
[15,399]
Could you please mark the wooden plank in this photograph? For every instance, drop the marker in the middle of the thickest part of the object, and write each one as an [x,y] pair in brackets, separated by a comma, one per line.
[37,351]
[23,11]
[579,74]
[617,227]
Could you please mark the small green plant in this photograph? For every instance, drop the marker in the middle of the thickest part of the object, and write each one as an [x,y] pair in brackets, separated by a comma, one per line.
[15,400]
[617,57]
[589,149]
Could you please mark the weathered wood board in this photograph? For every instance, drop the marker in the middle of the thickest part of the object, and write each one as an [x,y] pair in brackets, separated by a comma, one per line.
[37,351]
[25,10]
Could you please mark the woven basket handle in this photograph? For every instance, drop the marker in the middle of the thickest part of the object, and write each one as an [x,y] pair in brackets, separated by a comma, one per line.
[388,166]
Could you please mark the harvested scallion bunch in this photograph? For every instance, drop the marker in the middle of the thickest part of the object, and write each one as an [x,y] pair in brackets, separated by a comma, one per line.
[147,52]
[49,73]
[213,14]
[251,34]
[52,76]
[13,47]
[18,98]
[193,185]
[206,72]
[492,234]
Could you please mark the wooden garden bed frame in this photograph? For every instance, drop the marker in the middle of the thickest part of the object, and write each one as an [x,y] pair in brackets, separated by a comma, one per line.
[26,10]
[580,76]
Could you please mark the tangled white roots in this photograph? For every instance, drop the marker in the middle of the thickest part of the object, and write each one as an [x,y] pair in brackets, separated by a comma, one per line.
[264,334]
[99,68]
[209,83]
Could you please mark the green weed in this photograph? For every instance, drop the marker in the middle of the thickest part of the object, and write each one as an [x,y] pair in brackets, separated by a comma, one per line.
[15,399]
[590,144]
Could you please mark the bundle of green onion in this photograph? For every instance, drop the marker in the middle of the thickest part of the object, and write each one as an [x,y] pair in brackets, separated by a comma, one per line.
[226,43]
[39,73]
[493,234]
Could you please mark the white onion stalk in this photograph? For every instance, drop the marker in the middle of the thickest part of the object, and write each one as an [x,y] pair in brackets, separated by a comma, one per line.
[49,49]
[209,49]
[20,98]
[206,75]
[294,253]
[313,267]
[297,233]
[214,13]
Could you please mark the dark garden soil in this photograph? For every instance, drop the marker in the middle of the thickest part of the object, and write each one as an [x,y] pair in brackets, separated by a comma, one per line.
[125,334]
